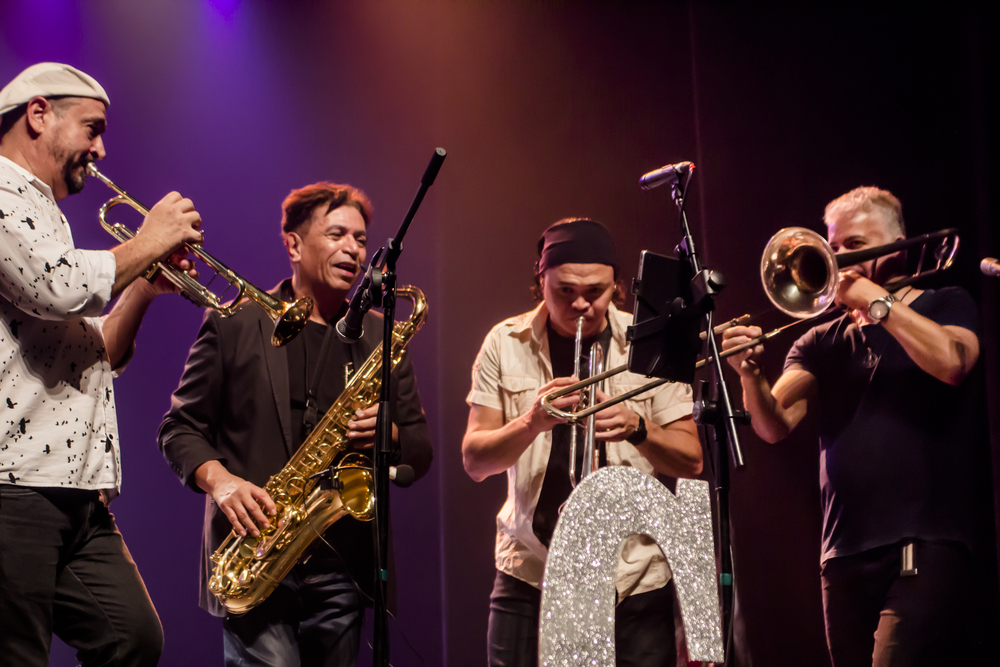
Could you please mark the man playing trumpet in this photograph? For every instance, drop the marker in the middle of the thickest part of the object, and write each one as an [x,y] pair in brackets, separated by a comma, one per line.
[64,568]
[889,381]
[523,359]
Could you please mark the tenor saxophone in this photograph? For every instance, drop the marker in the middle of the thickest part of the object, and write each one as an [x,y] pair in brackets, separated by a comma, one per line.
[248,569]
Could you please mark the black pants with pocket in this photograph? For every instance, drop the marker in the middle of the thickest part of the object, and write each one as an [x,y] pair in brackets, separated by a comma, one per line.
[65,570]
[876,617]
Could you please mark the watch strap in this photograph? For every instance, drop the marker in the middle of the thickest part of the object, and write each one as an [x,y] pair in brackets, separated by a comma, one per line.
[639,435]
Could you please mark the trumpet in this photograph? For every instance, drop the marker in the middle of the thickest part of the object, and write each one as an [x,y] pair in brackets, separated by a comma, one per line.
[590,452]
[800,272]
[289,317]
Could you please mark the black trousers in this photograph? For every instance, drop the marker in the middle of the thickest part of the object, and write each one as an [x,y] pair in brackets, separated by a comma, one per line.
[875,617]
[64,569]
[644,626]
[313,619]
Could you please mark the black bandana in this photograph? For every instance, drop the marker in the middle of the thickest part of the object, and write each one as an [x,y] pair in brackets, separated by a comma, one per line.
[575,241]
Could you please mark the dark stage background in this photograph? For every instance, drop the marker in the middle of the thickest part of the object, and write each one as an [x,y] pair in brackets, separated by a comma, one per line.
[547,110]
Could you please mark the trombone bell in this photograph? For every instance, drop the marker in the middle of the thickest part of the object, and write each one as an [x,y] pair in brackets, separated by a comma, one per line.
[799,272]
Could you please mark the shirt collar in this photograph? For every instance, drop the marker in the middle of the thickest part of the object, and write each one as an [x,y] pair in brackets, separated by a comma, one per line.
[31,178]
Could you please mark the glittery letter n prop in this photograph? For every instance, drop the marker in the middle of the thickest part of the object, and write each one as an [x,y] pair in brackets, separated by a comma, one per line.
[578,596]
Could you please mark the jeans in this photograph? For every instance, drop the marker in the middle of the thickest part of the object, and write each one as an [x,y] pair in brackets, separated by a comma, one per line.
[64,569]
[875,617]
[312,619]
[644,626]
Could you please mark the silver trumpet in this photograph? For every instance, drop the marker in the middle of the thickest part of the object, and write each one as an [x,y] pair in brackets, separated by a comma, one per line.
[588,398]
[289,317]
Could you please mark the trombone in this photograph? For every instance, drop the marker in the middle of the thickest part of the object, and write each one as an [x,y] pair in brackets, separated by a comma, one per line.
[289,318]
[799,271]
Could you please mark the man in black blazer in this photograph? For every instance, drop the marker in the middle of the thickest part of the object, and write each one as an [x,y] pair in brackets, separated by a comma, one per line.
[243,408]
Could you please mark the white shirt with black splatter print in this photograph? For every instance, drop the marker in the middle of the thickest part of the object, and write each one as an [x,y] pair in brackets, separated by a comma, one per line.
[57,407]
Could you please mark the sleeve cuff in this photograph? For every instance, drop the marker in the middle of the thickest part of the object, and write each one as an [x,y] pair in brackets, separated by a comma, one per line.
[105,268]
[673,413]
[483,398]
[187,453]
[99,267]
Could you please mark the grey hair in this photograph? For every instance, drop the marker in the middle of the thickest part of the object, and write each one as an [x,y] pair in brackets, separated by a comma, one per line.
[866,199]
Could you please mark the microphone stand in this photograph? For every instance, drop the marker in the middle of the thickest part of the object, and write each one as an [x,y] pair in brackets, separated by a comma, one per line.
[383,427]
[717,411]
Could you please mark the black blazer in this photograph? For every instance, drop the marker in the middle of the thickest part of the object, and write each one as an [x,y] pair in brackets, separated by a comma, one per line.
[233,405]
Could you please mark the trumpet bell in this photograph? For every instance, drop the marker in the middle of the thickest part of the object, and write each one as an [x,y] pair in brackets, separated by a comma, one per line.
[799,272]
[291,322]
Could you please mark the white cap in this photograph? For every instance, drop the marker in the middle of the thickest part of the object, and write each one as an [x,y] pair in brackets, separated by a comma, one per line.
[49,80]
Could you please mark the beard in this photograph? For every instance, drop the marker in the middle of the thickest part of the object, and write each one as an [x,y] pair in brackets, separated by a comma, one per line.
[75,173]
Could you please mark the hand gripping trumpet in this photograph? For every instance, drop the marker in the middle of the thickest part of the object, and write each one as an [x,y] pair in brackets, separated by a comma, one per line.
[289,318]
[800,272]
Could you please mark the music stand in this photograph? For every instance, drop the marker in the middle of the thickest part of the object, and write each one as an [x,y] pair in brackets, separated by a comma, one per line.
[664,332]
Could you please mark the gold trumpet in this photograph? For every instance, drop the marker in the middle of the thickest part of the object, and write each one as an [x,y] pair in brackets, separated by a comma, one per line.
[289,318]
[799,271]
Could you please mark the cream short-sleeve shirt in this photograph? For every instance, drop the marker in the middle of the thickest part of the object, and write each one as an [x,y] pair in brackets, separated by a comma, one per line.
[512,364]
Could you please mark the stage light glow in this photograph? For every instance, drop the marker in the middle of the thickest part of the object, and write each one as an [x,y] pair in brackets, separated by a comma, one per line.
[225,7]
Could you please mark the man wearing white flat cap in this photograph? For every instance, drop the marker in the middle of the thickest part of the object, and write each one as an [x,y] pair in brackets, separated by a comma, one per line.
[64,568]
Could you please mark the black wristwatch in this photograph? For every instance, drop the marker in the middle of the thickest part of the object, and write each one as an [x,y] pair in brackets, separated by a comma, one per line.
[878,309]
[639,435]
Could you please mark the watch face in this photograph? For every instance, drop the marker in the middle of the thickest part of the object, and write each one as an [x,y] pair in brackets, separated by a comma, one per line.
[878,309]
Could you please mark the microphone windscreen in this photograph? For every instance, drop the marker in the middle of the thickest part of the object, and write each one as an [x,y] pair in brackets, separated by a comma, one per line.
[404,476]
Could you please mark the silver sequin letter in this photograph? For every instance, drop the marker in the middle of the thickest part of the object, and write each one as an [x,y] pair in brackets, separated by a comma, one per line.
[578,594]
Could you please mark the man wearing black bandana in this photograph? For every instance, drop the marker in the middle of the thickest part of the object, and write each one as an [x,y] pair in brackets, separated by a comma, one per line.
[890,379]
[523,359]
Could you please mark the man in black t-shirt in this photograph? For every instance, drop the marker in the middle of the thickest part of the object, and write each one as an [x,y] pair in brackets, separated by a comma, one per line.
[889,381]
[244,407]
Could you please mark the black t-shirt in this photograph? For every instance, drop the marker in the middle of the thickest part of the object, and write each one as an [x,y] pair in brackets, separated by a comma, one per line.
[351,539]
[556,486]
[303,356]
[896,444]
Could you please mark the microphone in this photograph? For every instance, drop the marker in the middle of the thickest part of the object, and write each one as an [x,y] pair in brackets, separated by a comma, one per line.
[402,475]
[351,328]
[990,266]
[668,174]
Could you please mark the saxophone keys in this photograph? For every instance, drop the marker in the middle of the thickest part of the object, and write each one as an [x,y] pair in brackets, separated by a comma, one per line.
[248,546]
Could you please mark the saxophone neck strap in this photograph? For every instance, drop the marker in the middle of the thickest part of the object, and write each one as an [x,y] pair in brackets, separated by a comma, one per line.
[311,416]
